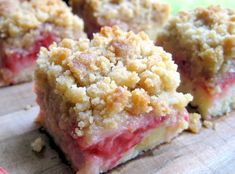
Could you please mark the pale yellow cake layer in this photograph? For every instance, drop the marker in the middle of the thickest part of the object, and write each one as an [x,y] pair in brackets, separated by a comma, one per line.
[209,105]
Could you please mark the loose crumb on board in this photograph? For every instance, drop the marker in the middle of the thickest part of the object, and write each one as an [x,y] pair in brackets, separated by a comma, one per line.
[195,123]
[209,124]
[38,144]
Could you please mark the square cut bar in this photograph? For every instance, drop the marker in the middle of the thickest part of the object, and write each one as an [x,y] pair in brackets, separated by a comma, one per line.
[147,15]
[107,100]
[25,26]
[202,43]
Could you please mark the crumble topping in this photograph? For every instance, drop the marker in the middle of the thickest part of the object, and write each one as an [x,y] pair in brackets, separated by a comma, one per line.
[195,122]
[115,75]
[206,36]
[19,17]
[126,9]
[144,15]
[38,144]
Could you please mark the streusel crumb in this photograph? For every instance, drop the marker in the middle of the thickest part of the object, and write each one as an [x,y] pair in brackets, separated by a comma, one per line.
[19,17]
[206,36]
[102,81]
[208,124]
[38,144]
[195,123]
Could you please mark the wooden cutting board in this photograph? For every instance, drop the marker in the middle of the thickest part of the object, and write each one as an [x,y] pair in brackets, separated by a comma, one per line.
[210,151]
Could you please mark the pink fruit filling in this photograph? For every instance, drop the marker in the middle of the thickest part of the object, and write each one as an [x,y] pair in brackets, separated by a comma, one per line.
[223,82]
[227,81]
[21,59]
[108,151]
[112,148]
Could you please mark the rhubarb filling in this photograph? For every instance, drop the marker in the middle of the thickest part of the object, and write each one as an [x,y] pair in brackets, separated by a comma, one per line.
[209,85]
[17,64]
[20,59]
[111,149]
[212,99]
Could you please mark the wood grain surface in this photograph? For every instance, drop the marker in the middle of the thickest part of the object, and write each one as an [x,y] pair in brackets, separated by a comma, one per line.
[16,97]
[209,152]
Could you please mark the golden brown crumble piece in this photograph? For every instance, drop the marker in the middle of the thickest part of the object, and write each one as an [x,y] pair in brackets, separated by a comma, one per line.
[144,15]
[205,37]
[114,76]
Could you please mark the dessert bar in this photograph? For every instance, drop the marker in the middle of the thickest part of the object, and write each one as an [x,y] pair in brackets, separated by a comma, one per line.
[107,100]
[202,43]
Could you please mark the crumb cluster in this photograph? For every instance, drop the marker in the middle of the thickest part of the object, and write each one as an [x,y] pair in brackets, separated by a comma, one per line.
[116,74]
[38,144]
[195,124]
[209,124]
[206,36]
[19,17]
